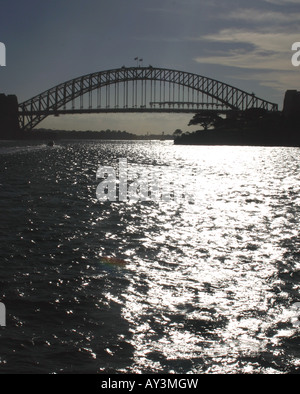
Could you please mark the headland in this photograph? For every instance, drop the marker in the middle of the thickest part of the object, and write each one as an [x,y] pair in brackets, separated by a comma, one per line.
[254,127]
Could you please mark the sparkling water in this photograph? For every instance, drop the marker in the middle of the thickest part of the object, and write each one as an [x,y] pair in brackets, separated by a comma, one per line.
[204,283]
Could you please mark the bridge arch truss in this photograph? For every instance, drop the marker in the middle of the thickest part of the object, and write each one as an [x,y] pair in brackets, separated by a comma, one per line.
[138,89]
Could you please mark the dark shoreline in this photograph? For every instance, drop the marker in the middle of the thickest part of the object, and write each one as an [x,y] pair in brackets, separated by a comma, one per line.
[102,135]
[244,137]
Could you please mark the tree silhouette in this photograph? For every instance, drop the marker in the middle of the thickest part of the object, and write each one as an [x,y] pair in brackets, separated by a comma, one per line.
[177,133]
[205,119]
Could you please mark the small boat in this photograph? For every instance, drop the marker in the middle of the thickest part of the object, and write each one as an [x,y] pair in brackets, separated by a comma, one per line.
[50,143]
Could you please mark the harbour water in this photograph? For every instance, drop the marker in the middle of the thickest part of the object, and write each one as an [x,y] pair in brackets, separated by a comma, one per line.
[208,282]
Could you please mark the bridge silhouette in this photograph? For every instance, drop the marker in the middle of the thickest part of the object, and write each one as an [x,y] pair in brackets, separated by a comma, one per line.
[138,89]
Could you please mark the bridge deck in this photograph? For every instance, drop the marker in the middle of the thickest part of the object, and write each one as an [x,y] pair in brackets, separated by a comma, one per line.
[123,110]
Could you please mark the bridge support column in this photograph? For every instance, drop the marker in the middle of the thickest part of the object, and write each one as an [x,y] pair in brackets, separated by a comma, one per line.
[9,124]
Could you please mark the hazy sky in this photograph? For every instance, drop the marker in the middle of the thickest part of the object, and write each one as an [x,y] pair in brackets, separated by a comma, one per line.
[244,43]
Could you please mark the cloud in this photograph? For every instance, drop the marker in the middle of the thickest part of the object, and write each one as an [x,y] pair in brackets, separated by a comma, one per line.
[277,80]
[282,2]
[253,60]
[252,49]
[262,55]
[258,16]
[266,40]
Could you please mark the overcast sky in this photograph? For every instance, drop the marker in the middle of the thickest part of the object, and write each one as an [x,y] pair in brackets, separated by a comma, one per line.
[244,43]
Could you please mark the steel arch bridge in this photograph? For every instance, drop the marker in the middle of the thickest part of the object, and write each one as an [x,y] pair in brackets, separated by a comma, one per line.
[138,89]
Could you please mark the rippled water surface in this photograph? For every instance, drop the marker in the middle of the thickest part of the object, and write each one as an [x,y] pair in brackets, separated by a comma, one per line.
[209,278]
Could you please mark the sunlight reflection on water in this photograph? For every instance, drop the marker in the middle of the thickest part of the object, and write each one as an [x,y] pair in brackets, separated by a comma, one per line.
[208,281]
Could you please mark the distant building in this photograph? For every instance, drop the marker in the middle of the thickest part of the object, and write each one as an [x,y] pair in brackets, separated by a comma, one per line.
[291,106]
